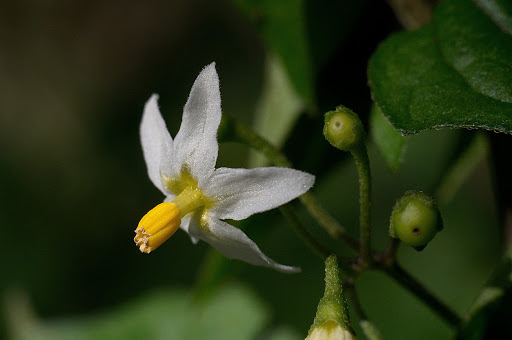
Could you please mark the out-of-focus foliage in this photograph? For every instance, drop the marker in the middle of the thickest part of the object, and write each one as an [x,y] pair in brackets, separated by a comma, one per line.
[283,28]
[232,313]
[277,109]
[297,50]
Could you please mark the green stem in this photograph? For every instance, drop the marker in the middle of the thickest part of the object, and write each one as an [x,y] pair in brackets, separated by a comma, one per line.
[327,221]
[388,256]
[303,233]
[363,167]
[231,129]
[414,286]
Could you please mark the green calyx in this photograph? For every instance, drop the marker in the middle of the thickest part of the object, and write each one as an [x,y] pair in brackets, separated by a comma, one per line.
[343,129]
[332,306]
[415,219]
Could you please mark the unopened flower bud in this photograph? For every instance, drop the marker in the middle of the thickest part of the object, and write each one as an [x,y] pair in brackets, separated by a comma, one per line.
[343,129]
[331,320]
[415,219]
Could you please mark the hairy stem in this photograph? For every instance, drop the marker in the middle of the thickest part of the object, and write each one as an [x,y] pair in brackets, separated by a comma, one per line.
[327,221]
[363,168]
[303,233]
[231,129]
[388,255]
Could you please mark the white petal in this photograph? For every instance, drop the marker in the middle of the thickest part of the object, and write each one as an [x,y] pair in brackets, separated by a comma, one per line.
[196,144]
[156,141]
[243,192]
[234,244]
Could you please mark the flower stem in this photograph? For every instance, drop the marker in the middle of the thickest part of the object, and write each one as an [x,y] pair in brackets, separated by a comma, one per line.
[327,221]
[388,255]
[230,129]
[407,281]
[363,167]
[303,233]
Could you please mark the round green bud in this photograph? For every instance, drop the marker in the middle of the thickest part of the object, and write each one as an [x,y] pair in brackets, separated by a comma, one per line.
[415,219]
[343,129]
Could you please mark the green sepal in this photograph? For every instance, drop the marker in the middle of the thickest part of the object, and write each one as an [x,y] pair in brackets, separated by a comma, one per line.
[332,306]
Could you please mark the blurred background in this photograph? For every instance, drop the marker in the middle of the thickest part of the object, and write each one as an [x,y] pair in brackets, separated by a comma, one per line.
[74,77]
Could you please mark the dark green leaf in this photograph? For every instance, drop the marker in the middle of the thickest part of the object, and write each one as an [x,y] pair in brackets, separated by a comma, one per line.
[277,109]
[389,141]
[455,72]
[282,27]
[476,48]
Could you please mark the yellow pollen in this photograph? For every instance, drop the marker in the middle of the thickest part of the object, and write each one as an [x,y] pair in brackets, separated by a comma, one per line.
[157,226]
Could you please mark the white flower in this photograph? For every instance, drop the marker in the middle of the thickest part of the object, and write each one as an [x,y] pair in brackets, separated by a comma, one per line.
[198,196]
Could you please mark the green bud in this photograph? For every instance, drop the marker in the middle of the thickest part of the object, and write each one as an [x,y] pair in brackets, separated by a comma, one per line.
[343,129]
[331,320]
[415,219]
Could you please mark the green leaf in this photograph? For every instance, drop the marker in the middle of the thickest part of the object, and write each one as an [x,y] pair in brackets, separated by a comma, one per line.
[282,27]
[476,48]
[389,141]
[455,72]
[233,313]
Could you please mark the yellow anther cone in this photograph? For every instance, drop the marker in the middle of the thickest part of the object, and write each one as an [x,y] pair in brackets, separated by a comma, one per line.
[157,226]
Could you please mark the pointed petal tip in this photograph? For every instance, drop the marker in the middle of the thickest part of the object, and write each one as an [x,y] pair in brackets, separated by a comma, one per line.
[209,71]
[305,181]
[151,103]
[245,192]
[309,180]
[211,65]
[287,269]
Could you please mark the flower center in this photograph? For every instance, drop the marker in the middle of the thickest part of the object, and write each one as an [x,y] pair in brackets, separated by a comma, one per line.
[161,222]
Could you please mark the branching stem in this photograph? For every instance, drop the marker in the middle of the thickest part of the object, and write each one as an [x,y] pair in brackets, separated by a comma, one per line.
[414,286]
[233,130]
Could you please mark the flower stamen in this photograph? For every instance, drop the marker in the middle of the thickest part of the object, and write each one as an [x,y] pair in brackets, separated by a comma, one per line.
[161,222]
[157,226]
